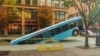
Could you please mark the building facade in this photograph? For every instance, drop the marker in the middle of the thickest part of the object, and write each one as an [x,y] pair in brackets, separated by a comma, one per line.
[27,11]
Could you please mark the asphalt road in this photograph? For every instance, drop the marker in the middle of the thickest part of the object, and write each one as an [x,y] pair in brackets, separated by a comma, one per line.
[69,42]
[79,41]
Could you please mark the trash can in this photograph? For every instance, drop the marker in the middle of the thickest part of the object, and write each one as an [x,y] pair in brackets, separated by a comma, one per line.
[97,40]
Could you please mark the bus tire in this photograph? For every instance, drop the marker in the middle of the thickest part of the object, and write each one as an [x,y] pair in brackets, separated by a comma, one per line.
[75,33]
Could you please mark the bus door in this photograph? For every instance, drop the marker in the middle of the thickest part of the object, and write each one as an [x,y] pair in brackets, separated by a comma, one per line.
[80,25]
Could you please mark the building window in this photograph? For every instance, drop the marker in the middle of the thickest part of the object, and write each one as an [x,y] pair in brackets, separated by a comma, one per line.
[49,2]
[43,2]
[34,14]
[19,12]
[34,2]
[62,15]
[57,3]
[18,2]
[27,2]
[27,13]
[62,4]
[59,15]
[30,14]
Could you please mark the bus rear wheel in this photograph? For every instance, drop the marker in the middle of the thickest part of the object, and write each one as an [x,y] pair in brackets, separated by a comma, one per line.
[75,33]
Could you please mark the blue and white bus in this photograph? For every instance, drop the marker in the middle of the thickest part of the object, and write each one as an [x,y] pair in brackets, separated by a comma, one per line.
[57,32]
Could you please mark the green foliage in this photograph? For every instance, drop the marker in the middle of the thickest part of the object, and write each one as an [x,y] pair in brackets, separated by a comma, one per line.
[11,15]
[69,3]
[1,2]
[90,11]
[93,12]
[94,16]
[84,1]
[7,16]
[10,2]
[45,16]
[91,5]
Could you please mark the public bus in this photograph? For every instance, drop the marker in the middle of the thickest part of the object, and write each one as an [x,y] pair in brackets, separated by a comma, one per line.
[56,32]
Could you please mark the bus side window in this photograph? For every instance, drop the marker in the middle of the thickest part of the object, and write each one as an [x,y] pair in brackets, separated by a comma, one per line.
[72,25]
[39,36]
[65,27]
[46,34]
[23,42]
[52,32]
[58,30]
[28,41]
[31,40]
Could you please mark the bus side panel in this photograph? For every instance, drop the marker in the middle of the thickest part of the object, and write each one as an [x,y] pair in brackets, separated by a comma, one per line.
[63,35]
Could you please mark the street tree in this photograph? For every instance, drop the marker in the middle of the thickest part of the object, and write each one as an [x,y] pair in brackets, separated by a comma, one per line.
[45,16]
[7,15]
[89,10]
[1,2]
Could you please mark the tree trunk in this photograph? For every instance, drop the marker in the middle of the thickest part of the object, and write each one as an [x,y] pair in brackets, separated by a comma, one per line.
[86,43]
[86,31]
[86,39]
[5,31]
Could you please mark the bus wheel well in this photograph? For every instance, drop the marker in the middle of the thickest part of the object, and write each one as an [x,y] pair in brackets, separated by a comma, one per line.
[75,32]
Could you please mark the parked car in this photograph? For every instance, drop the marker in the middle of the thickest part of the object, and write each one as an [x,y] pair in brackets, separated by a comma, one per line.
[90,33]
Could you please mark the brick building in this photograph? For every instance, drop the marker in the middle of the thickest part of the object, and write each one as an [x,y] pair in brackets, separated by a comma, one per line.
[27,10]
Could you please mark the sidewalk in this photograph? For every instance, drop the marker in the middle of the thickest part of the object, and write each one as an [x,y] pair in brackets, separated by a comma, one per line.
[31,50]
[70,49]
[10,37]
[75,51]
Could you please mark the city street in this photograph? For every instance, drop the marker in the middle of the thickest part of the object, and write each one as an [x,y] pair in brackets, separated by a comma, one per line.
[69,42]
[71,48]
[78,41]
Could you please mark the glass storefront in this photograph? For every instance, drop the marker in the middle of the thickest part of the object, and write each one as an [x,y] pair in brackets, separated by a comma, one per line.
[30,24]
[14,29]
[30,29]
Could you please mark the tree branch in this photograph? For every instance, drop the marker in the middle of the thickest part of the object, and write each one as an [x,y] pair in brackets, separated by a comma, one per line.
[94,18]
